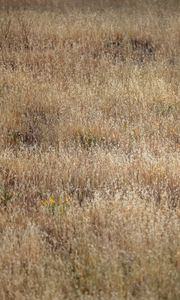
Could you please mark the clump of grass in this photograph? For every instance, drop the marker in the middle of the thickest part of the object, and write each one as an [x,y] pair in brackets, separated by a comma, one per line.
[5,196]
[87,137]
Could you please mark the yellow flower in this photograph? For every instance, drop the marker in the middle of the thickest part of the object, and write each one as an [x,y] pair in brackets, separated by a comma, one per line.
[51,200]
[48,202]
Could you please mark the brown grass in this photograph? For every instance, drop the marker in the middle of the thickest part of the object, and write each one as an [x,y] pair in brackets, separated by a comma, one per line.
[89,150]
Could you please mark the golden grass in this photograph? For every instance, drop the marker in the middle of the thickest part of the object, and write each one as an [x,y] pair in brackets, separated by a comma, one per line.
[89,150]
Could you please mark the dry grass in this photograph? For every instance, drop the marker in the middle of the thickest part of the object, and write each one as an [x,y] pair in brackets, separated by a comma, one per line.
[89,150]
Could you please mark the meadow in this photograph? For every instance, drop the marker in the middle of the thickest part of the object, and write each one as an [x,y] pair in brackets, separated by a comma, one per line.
[89,150]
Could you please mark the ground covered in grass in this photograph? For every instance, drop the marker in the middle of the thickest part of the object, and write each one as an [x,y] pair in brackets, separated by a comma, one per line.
[90,150]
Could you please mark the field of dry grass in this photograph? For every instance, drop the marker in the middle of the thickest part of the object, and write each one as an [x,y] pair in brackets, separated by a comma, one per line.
[89,150]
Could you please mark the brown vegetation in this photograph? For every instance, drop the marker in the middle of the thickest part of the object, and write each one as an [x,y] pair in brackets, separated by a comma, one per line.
[89,150]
